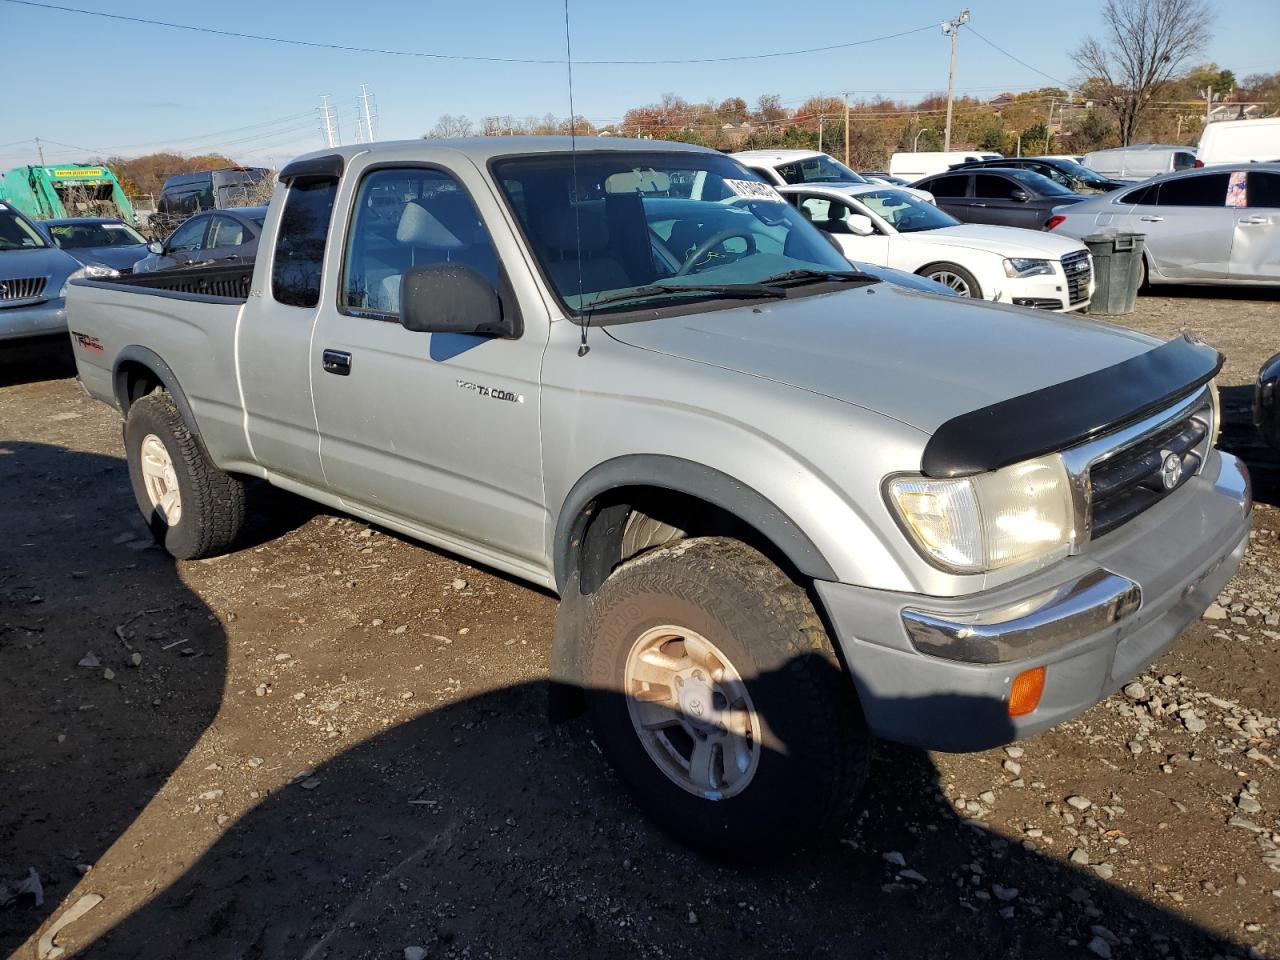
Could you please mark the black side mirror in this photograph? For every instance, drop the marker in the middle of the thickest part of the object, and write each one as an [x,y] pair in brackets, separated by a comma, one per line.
[452,298]
[1019,195]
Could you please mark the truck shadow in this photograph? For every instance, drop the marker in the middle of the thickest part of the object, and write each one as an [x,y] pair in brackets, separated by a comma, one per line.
[85,748]
[474,829]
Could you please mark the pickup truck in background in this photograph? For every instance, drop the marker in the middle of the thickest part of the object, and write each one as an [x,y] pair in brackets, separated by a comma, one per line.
[786,506]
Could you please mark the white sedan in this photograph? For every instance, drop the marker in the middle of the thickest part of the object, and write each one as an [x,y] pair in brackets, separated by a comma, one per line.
[887,226]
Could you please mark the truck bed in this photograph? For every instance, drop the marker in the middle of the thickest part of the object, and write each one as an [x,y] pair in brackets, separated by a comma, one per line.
[183,322]
[222,282]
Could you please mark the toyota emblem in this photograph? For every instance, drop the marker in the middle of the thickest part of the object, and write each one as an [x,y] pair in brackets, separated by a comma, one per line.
[1171,470]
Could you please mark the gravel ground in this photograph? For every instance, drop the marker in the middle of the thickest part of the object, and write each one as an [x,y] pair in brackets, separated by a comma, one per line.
[332,743]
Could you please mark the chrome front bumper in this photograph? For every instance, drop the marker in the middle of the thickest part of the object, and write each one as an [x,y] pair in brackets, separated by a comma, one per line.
[937,672]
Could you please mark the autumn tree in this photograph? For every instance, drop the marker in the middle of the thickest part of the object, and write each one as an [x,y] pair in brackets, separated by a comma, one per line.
[1146,44]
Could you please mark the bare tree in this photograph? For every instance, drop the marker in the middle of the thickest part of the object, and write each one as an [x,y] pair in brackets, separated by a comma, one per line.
[451,126]
[1145,45]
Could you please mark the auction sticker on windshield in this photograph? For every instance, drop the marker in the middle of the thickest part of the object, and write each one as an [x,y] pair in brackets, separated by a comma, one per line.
[754,190]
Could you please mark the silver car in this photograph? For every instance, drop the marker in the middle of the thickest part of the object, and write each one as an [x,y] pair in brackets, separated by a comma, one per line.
[33,278]
[1216,225]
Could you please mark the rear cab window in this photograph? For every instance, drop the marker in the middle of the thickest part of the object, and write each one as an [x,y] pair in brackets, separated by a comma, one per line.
[300,241]
[1263,189]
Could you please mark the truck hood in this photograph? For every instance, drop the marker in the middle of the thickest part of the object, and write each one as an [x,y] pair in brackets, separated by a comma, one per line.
[1005,241]
[121,258]
[917,358]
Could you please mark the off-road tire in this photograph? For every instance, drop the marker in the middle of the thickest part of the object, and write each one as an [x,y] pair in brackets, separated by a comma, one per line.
[213,502]
[929,272]
[815,748]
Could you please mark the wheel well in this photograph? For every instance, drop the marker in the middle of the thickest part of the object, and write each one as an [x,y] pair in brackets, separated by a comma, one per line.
[625,522]
[134,380]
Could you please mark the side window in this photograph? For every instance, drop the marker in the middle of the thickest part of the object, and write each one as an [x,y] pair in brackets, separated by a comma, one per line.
[817,209]
[225,232]
[410,217]
[991,187]
[300,241]
[1263,189]
[1183,160]
[954,186]
[1145,194]
[1209,190]
[187,236]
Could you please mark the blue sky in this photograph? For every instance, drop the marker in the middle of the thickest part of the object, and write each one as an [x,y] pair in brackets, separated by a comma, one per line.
[102,85]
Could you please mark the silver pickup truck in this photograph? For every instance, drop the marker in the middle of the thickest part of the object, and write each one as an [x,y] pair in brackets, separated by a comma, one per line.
[787,506]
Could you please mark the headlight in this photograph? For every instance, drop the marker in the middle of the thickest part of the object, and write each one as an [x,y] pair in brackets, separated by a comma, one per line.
[1026,267]
[90,271]
[1020,513]
[1215,407]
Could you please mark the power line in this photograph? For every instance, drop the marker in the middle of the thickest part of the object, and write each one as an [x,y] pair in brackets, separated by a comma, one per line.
[453,56]
[1061,83]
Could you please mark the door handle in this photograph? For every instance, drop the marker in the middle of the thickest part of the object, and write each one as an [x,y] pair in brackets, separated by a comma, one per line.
[1255,220]
[1151,219]
[337,362]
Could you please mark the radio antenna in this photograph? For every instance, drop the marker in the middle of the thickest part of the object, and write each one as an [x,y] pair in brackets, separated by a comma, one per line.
[583,349]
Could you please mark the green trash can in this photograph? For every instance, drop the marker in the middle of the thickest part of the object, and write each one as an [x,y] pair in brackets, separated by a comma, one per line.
[1117,271]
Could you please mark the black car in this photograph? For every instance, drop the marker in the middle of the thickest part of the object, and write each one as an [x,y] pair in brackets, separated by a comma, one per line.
[188,193]
[227,237]
[1002,196]
[1075,177]
[1266,401]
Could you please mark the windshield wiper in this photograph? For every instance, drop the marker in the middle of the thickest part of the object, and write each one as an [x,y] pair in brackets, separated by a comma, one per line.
[736,291]
[799,277]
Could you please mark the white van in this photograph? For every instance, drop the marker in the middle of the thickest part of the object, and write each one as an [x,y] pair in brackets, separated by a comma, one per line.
[914,166]
[1241,141]
[1141,161]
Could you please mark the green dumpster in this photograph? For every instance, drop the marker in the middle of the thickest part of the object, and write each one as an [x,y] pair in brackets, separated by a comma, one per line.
[1117,271]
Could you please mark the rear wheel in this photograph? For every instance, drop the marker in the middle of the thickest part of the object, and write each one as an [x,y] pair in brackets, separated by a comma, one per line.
[193,508]
[719,700]
[954,276]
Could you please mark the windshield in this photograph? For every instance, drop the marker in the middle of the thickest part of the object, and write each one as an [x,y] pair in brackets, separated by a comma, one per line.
[76,236]
[16,233]
[904,212]
[629,220]
[1078,170]
[819,169]
[1040,183]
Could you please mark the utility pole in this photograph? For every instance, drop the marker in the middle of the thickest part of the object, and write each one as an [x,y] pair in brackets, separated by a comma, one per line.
[846,129]
[952,29]
[330,126]
[369,115]
[40,150]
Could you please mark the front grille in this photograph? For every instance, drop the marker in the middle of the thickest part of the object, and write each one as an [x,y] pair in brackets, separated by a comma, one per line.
[1079,272]
[1134,478]
[22,288]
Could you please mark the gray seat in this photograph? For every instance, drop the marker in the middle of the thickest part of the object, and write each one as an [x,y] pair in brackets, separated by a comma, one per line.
[581,243]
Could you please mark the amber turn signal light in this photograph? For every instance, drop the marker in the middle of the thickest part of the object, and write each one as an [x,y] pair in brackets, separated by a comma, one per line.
[1024,695]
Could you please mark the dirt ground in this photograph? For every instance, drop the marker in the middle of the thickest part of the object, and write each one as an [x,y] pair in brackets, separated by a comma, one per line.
[332,743]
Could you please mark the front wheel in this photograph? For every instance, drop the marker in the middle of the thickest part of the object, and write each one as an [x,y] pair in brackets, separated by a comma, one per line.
[193,508]
[718,698]
[954,276]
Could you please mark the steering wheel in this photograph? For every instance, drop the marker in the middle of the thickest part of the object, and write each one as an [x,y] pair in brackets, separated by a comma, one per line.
[711,243]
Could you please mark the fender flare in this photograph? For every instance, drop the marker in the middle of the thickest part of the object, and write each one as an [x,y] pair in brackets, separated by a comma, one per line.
[694,479]
[163,372]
